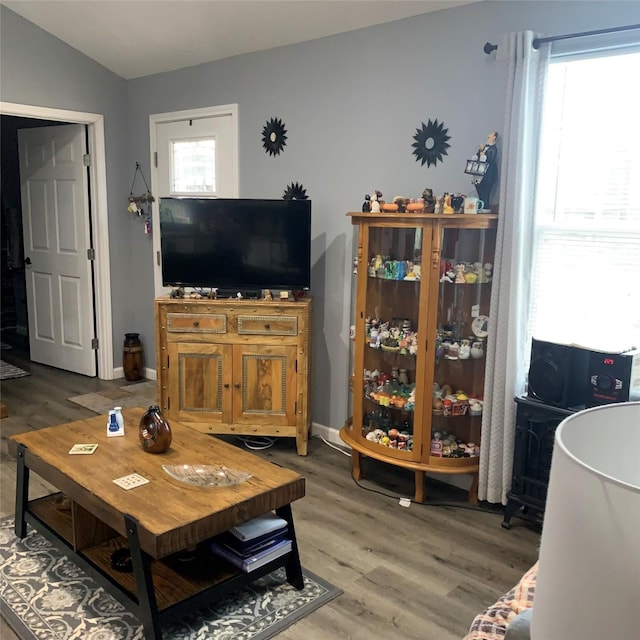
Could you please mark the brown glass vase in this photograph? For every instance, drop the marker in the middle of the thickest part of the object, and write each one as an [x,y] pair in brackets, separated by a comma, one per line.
[132,357]
[154,431]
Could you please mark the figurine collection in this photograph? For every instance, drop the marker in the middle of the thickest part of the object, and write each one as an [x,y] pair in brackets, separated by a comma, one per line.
[428,203]
[393,392]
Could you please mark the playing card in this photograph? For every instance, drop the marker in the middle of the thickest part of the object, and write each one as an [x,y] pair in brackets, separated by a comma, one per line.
[131,481]
[83,449]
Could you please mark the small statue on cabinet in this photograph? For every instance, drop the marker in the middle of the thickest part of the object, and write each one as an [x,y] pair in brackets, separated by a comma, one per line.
[429,201]
[375,201]
[460,269]
[268,295]
[366,205]
[485,157]
[448,206]
[439,205]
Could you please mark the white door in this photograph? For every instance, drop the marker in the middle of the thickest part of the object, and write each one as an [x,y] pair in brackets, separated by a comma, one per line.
[195,156]
[55,218]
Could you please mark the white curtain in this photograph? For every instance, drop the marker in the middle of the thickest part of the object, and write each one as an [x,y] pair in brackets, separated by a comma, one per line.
[507,343]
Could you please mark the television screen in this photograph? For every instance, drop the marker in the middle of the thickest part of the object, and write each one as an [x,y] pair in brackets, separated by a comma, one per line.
[236,244]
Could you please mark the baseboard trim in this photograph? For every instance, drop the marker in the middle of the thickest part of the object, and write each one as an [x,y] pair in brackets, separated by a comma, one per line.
[147,374]
[329,434]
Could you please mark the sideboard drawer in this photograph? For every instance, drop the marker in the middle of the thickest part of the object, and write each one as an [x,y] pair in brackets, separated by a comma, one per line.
[196,323]
[268,325]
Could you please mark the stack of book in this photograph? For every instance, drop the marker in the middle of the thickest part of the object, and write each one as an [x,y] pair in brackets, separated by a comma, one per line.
[254,543]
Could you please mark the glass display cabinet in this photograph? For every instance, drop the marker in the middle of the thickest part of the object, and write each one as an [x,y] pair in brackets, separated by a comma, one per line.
[423,289]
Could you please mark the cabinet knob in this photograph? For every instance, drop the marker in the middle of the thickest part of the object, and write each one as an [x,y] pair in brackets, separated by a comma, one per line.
[196,323]
[267,326]
[226,386]
[237,385]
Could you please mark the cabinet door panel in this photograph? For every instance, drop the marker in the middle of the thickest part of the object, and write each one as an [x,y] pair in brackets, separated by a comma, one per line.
[201,389]
[462,287]
[264,385]
[387,334]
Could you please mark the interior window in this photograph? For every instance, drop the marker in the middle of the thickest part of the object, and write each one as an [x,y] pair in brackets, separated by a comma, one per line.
[193,166]
[586,269]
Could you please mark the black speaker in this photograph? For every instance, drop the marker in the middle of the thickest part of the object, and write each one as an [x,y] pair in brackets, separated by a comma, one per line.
[558,374]
[613,377]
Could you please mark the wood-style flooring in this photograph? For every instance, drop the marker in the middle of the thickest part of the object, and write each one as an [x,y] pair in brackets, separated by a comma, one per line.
[420,573]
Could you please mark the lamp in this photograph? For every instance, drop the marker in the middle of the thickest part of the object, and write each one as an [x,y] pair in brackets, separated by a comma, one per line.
[588,584]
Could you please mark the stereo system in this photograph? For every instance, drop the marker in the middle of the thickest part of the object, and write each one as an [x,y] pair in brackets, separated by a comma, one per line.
[574,377]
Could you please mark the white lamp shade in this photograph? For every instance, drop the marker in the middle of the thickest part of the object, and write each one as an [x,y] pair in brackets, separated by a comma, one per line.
[588,583]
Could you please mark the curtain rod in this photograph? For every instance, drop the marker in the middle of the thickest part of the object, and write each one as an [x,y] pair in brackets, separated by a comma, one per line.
[489,48]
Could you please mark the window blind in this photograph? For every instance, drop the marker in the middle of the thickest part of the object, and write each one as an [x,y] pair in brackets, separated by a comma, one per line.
[585,277]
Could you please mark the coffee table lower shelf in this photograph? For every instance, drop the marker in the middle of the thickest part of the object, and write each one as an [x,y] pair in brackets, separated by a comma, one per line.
[179,586]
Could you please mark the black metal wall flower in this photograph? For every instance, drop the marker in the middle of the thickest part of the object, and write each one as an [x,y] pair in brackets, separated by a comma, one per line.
[431,143]
[274,136]
[294,191]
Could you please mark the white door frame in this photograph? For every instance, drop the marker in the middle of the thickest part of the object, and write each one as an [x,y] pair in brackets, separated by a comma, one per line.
[100,226]
[177,116]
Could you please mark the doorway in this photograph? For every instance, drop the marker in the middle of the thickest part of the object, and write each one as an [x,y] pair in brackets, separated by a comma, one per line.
[38,117]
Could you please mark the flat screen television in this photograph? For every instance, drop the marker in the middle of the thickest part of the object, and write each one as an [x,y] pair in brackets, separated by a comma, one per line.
[236,245]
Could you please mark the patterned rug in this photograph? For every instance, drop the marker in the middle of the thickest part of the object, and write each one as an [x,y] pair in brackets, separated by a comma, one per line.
[8,371]
[45,596]
[139,394]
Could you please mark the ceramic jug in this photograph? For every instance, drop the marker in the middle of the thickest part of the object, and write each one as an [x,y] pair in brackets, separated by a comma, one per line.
[154,431]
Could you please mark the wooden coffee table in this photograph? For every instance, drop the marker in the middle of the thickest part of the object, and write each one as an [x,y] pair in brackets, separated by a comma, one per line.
[92,517]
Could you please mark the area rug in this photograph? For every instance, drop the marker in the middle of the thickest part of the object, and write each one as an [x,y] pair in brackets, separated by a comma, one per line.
[140,394]
[45,596]
[8,371]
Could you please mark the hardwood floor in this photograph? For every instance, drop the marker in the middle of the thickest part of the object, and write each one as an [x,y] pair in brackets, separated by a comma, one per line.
[421,572]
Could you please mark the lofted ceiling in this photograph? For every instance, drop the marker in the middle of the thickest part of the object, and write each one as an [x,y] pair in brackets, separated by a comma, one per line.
[135,38]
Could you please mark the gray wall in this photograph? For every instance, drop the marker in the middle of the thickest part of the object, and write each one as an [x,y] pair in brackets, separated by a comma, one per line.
[38,69]
[351,104]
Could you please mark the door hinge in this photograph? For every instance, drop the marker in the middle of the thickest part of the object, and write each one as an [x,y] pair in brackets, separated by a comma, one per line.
[296,366]
[155,159]
[86,159]
[158,258]
[295,408]
[91,254]
[94,343]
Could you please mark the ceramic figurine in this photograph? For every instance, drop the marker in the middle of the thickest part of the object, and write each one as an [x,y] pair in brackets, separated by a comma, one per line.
[375,201]
[470,277]
[448,206]
[479,271]
[487,153]
[460,273]
[429,201]
[366,205]
[457,202]
[477,350]
[464,352]
[488,270]
[439,206]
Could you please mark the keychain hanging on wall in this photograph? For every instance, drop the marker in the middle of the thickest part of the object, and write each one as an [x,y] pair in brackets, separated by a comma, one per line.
[141,205]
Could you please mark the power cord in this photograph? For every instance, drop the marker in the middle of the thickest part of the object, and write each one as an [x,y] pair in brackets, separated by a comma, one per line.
[257,443]
[457,505]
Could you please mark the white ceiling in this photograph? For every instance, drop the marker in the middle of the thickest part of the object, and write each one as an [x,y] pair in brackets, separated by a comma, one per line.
[135,38]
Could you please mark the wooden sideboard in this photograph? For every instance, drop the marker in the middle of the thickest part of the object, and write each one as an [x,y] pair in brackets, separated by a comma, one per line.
[238,367]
